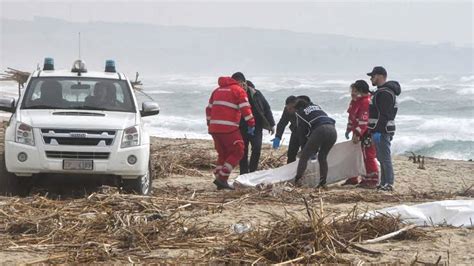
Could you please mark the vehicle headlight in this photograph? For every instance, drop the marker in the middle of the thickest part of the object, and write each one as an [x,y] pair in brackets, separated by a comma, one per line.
[24,134]
[131,137]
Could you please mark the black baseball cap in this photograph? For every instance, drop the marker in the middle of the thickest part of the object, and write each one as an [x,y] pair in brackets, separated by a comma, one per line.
[378,70]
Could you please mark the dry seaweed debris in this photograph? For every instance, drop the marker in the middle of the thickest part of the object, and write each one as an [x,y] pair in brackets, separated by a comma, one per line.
[316,239]
[270,159]
[182,158]
[129,228]
[364,195]
[100,227]
[185,157]
[286,194]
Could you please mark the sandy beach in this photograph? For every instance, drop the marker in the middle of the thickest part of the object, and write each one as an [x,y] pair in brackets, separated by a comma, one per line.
[184,182]
[109,105]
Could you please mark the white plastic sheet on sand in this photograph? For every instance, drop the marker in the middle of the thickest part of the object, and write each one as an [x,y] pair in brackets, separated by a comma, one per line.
[344,160]
[459,213]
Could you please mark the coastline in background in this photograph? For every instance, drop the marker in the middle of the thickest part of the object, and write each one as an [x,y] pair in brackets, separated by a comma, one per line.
[436,114]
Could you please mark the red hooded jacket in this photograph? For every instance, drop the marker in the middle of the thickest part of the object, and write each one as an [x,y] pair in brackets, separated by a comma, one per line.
[359,115]
[228,103]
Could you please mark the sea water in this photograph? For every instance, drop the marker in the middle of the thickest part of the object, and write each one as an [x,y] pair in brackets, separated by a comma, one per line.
[435,118]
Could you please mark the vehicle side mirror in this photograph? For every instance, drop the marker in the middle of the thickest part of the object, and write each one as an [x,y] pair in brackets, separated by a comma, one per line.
[150,108]
[7,104]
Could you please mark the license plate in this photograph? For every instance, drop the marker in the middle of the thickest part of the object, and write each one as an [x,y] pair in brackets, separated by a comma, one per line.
[78,165]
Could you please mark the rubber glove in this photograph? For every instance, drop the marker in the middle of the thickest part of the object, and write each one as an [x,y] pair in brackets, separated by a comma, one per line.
[276,143]
[251,131]
[347,134]
[376,137]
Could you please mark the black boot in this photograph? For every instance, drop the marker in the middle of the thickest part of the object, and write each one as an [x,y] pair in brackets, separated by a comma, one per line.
[322,184]
[222,184]
[297,181]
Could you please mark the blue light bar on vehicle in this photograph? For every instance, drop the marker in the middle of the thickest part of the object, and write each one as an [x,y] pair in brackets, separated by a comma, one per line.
[110,66]
[48,63]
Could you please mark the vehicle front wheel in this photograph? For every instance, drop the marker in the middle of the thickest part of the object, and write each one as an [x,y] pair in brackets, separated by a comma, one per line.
[12,185]
[141,185]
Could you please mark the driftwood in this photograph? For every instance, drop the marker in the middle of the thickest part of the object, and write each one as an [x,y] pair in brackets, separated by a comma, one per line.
[316,239]
[421,163]
[390,235]
[106,227]
[419,159]
[137,83]
[299,258]
[15,75]
[416,261]
[412,157]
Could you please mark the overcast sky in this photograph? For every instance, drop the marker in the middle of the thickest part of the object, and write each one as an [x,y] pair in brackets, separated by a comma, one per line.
[420,21]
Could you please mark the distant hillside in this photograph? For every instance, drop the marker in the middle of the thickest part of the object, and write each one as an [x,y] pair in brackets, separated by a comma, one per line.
[165,49]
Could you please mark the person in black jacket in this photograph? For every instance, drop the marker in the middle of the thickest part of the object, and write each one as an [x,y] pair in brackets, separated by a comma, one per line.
[317,133]
[288,117]
[383,109]
[263,120]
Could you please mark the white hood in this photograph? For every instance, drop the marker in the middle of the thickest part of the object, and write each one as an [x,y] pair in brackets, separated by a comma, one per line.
[77,119]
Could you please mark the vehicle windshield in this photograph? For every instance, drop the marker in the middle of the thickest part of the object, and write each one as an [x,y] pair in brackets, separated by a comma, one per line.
[78,93]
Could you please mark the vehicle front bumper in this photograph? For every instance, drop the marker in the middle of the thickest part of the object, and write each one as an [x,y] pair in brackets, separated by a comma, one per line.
[38,162]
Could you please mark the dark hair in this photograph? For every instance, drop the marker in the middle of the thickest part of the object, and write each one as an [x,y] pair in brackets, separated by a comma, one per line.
[290,99]
[361,86]
[250,84]
[304,97]
[238,76]
[302,103]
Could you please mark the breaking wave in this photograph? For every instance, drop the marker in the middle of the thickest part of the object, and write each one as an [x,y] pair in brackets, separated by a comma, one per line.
[408,99]
[467,78]
[435,116]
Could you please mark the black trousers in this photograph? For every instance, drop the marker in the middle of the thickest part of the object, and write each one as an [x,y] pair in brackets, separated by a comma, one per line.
[247,166]
[293,147]
[320,141]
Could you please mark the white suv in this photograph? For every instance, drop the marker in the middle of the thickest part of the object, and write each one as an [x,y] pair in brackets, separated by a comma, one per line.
[79,122]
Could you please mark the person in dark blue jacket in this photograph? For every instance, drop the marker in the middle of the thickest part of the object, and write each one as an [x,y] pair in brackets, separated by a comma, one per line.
[317,134]
[289,118]
[263,120]
[383,109]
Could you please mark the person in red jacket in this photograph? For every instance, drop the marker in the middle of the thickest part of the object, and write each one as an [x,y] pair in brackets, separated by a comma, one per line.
[357,124]
[227,105]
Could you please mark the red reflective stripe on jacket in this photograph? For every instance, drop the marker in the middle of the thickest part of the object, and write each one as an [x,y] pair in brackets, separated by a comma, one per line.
[359,115]
[227,104]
